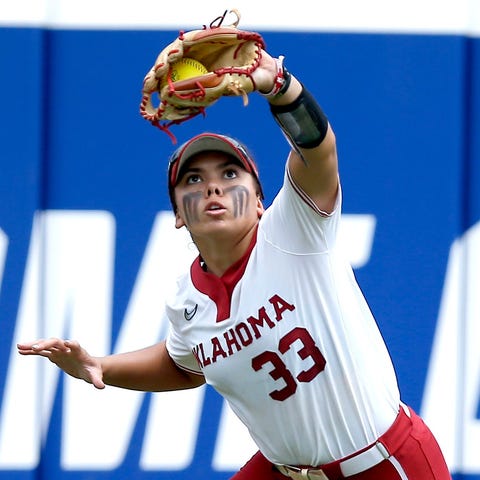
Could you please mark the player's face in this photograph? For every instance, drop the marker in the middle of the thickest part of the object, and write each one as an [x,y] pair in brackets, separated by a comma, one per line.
[216,196]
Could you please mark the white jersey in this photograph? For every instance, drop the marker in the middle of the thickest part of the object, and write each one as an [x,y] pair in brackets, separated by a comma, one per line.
[287,338]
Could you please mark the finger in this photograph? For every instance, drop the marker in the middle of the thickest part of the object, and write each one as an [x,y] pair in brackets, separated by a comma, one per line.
[41,353]
[28,348]
[27,352]
[37,347]
[50,344]
[72,345]
[28,345]
[97,382]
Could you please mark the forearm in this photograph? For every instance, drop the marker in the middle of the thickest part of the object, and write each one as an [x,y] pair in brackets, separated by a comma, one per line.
[300,116]
[148,369]
[313,160]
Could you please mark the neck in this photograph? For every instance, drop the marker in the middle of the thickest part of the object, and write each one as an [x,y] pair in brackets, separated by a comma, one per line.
[220,254]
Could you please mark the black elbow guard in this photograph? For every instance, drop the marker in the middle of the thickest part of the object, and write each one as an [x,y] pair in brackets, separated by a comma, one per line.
[302,121]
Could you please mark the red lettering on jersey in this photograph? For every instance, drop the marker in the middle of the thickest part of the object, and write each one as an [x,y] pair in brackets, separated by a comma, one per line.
[218,351]
[231,339]
[195,354]
[244,334]
[199,354]
[280,305]
[258,322]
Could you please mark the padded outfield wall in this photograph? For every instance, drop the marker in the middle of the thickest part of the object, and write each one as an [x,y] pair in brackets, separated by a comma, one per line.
[87,244]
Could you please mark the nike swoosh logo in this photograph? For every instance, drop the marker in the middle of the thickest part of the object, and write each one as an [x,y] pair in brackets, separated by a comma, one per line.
[190,314]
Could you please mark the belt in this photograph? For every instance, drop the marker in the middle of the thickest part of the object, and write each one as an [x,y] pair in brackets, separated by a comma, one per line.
[364,459]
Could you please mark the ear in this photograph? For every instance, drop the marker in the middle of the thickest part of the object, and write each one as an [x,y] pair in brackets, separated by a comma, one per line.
[179,223]
[260,207]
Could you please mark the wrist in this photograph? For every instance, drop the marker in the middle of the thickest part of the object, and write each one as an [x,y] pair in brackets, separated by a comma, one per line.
[281,80]
[285,87]
[289,95]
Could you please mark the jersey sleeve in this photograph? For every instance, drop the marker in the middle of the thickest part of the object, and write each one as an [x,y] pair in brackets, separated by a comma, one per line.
[294,224]
[180,353]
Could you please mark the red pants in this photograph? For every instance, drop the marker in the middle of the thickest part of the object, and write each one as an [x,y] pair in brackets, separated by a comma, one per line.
[418,455]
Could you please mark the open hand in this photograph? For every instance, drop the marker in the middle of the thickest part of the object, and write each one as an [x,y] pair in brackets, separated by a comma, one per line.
[67,355]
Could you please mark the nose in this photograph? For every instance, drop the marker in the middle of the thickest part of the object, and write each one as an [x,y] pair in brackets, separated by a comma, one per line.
[213,188]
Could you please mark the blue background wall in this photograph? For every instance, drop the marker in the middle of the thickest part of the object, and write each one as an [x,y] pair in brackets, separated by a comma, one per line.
[406,112]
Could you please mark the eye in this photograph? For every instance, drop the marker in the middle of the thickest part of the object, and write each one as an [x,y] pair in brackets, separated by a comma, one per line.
[230,173]
[192,178]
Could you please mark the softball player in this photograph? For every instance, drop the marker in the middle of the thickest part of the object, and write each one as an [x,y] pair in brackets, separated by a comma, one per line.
[270,313]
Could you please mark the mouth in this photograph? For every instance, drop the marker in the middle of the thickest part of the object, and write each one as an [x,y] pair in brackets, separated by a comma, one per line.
[215,208]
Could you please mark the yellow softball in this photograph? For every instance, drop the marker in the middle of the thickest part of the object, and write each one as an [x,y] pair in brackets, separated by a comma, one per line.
[183,69]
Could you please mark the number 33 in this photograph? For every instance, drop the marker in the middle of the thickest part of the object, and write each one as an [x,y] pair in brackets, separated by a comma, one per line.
[280,370]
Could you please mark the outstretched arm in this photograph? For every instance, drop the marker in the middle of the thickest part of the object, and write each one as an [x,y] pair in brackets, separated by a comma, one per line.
[148,369]
[313,160]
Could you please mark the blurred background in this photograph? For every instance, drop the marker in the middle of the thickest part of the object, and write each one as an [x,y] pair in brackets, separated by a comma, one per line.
[88,248]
